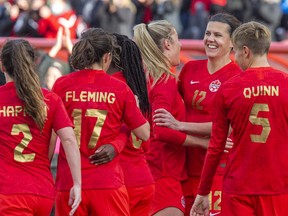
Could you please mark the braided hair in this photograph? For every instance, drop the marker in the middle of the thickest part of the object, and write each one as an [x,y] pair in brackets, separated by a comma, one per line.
[132,68]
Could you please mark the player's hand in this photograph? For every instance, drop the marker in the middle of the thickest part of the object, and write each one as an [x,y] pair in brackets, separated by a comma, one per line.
[74,198]
[103,154]
[164,118]
[200,206]
[229,145]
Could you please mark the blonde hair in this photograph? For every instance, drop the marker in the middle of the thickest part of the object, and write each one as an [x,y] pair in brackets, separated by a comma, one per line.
[150,38]
[254,35]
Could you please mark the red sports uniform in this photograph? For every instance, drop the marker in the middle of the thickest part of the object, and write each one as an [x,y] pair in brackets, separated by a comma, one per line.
[97,103]
[256,172]
[166,156]
[24,163]
[137,175]
[198,88]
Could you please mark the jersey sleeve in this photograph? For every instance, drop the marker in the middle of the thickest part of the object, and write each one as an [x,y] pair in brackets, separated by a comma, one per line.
[220,128]
[164,98]
[60,116]
[132,117]
[121,140]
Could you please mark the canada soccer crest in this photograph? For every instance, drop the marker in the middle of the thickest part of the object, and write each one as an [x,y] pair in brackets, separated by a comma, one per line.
[214,85]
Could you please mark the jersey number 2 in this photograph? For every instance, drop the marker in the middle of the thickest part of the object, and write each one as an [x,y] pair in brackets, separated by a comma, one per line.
[27,137]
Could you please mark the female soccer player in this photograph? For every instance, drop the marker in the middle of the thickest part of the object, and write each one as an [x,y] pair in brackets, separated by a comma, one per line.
[98,104]
[28,114]
[160,48]
[137,175]
[254,103]
[198,83]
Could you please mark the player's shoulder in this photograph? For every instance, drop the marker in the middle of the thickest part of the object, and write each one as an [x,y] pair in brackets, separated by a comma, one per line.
[50,96]
[167,84]
[63,81]
[117,84]
[234,68]
[280,73]
[235,80]
[67,77]
[194,66]
[279,76]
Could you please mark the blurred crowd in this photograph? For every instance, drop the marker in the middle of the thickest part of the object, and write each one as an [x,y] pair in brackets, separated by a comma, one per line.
[42,18]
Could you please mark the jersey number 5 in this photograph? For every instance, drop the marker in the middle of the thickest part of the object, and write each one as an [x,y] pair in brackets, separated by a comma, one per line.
[264,122]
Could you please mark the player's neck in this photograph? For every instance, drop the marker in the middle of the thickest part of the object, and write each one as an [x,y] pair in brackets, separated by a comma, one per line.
[8,78]
[214,65]
[259,61]
[96,66]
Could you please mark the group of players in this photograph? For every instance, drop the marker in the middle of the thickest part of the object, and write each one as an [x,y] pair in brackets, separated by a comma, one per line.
[134,136]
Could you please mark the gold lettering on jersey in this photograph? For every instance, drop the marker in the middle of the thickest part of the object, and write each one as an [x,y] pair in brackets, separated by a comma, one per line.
[264,122]
[12,111]
[261,90]
[136,142]
[215,200]
[99,115]
[87,96]
[19,149]
[198,97]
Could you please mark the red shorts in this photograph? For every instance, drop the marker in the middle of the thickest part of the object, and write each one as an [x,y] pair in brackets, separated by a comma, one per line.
[140,199]
[192,185]
[251,205]
[168,193]
[25,205]
[96,203]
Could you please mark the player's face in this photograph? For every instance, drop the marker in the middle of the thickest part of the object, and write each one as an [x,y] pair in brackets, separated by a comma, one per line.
[174,49]
[217,40]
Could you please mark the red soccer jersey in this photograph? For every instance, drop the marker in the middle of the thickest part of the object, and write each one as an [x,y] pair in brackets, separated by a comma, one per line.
[97,103]
[198,88]
[24,163]
[166,156]
[133,160]
[255,103]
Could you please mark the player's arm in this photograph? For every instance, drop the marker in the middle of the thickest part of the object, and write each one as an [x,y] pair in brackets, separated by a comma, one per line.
[143,131]
[52,145]
[220,130]
[107,152]
[196,141]
[63,127]
[133,117]
[164,118]
[72,153]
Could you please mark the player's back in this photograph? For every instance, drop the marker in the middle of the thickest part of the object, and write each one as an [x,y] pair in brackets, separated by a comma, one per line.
[97,104]
[25,167]
[258,111]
